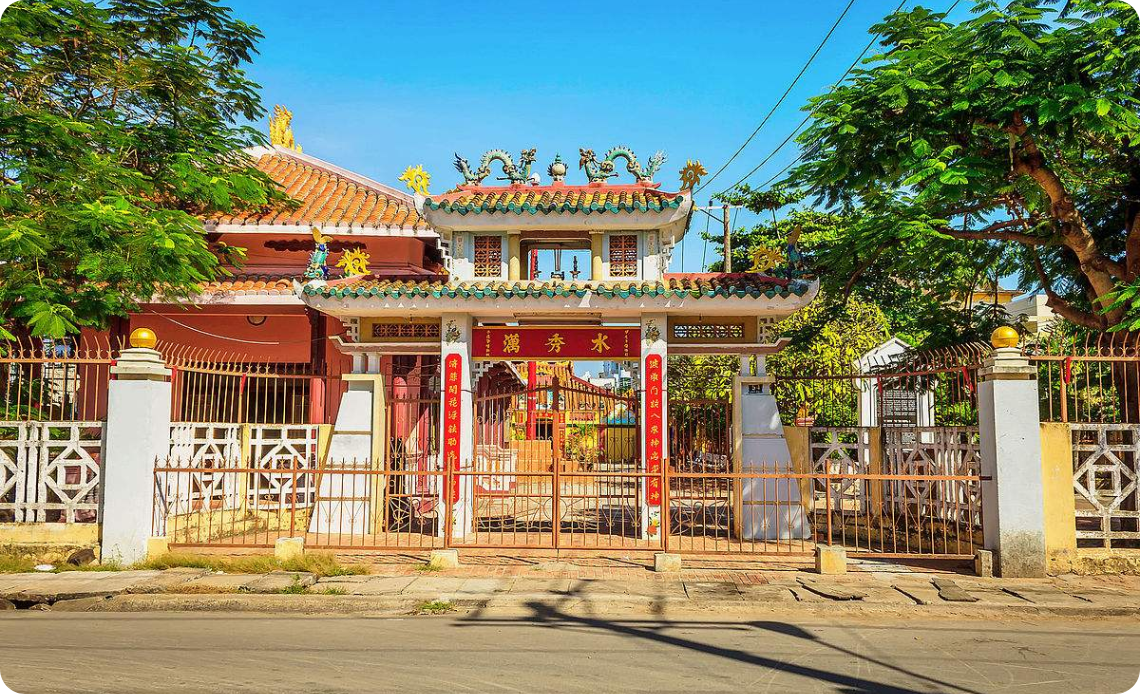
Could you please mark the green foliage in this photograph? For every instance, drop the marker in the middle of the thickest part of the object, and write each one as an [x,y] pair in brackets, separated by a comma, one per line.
[118,132]
[828,339]
[1011,138]
[701,378]
[318,564]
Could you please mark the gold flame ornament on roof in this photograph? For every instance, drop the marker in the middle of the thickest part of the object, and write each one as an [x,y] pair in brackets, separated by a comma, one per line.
[691,174]
[764,259]
[354,262]
[416,179]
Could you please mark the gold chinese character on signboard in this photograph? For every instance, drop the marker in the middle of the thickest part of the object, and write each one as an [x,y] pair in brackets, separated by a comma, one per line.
[452,429]
[453,402]
[654,377]
[599,344]
[511,343]
[554,344]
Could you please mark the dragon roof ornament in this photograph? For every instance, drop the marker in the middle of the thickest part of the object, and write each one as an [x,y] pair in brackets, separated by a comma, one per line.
[514,174]
[598,171]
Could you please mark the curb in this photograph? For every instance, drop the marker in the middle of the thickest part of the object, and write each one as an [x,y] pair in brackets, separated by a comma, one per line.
[550,606]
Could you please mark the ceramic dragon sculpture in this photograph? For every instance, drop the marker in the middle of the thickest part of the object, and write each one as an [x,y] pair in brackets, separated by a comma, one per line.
[598,171]
[515,174]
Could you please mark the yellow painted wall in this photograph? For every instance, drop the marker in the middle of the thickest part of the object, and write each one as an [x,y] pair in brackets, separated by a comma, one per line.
[59,534]
[1060,505]
[799,445]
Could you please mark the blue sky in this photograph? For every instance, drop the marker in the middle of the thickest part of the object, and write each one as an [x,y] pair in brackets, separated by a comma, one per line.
[377,86]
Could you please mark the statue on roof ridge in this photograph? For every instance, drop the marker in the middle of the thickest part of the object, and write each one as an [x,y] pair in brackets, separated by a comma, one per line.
[599,171]
[281,130]
[514,174]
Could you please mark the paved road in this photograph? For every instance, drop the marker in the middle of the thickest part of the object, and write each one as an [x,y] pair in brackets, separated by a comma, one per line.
[177,652]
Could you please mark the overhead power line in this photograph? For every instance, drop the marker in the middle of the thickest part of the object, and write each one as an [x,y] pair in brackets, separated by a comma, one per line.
[782,97]
[802,154]
[788,139]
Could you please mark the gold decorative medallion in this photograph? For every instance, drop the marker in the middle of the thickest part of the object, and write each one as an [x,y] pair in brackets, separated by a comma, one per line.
[691,174]
[416,179]
[354,262]
[764,259]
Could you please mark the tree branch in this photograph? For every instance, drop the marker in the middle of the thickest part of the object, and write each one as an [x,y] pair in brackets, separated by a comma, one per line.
[847,288]
[1062,307]
[994,232]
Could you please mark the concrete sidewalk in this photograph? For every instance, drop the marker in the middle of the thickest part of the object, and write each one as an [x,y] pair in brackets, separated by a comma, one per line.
[400,590]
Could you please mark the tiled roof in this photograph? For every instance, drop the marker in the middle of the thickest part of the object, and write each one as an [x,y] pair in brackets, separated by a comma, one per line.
[249,284]
[555,198]
[743,284]
[328,197]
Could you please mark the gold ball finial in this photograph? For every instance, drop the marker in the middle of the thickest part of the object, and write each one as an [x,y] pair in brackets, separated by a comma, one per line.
[143,337]
[1004,336]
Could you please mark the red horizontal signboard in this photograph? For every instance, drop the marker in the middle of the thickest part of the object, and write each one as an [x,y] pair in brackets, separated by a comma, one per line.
[556,344]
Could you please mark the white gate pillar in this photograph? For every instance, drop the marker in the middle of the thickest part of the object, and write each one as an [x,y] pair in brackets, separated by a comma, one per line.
[457,420]
[1013,503]
[137,435]
[654,419]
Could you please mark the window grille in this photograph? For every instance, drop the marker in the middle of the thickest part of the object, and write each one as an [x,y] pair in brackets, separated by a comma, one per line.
[488,256]
[623,255]
[709,331]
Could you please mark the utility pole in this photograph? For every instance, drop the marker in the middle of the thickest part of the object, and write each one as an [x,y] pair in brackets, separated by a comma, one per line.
[727,240]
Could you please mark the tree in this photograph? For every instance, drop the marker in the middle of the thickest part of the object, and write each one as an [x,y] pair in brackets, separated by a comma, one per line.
[1015,131]
[119,131]
[827,339]
[925,307]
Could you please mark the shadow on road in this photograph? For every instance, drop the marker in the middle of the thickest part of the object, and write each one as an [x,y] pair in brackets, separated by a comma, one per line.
[550,615]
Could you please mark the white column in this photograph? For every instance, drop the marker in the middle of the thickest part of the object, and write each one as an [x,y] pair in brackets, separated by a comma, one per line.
[137,435]
[653,365]
[771,508]
[1013,502]
[457,434]
[345,498]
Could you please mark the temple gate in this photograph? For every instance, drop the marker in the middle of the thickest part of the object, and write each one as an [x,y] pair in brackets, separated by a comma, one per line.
[529,452]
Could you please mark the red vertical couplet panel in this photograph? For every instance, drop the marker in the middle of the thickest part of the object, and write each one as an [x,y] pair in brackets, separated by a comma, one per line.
[654,428]
[452,409]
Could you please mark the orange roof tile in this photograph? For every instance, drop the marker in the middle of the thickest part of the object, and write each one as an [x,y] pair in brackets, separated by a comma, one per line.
[593,198]
[327,197]
[249,284]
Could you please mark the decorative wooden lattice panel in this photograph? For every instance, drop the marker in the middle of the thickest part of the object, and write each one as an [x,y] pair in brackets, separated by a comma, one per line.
[1106,466]
[488,256]
[623,255]
[934,451]
[50,472]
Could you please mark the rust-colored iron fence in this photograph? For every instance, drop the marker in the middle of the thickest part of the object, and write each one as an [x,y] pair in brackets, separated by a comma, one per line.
[352,505]
[906,388]
[769,510]
[53,405]
[766,510]
[213,386]
[1094,379]
[555,467]
[55,380]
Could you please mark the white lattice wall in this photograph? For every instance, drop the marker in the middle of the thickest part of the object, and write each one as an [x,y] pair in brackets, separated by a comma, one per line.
[933,451]
[840,451]
[49,471]
[1106,481]
[211,452]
